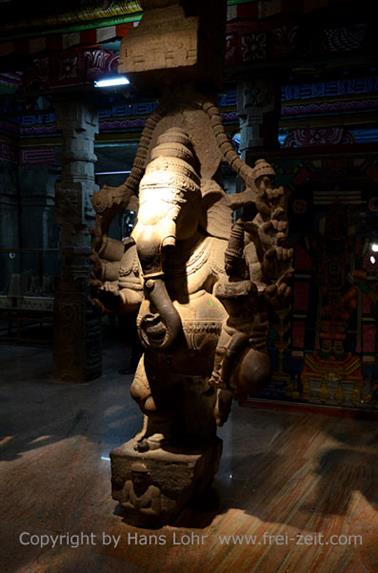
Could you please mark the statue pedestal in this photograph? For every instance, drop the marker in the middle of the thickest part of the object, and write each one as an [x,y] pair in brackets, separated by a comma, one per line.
[154,486]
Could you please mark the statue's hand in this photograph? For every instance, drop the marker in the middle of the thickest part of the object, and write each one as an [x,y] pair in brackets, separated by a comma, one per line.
[276,295]
[276,263]
[110,287]
[106,297]
[129,300]
[246,197]
[272,232]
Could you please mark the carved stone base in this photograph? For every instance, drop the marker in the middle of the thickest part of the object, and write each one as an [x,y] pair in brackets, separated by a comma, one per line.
[154,486]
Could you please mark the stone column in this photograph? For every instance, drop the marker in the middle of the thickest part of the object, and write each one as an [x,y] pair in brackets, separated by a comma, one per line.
[77,337]
[36,185]
[9,221]
[258,107]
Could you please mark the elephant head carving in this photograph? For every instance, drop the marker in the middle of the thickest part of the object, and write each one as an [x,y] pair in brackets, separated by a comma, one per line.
[169,210]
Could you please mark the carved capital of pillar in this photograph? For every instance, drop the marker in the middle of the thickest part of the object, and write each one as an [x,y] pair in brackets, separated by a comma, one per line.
[79,124]
[258,107]
[177,41]
[76,115]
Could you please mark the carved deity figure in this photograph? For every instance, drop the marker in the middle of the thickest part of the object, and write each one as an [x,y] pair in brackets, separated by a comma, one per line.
[203,287]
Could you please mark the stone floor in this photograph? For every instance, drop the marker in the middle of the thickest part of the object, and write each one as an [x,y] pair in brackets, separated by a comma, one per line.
[298,491]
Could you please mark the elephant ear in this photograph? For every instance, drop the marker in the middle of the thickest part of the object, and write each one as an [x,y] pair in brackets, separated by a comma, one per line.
[216,215]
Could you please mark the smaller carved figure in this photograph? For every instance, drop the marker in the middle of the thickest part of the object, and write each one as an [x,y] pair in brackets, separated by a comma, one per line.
[258,269]
[139,493]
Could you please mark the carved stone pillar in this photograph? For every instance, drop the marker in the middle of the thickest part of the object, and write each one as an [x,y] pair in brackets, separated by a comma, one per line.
[77,339]
[258,107]
[9,221]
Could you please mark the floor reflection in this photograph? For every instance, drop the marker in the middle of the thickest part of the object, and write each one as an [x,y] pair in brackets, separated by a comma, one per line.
[280,473]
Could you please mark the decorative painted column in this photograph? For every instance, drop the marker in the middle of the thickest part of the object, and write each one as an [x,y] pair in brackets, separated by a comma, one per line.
[77,337]
[258,107]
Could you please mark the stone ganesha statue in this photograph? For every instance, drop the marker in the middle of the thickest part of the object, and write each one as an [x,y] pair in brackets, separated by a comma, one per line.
[202,285]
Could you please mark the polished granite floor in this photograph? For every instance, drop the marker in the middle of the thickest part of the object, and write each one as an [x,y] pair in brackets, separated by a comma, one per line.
[298,491]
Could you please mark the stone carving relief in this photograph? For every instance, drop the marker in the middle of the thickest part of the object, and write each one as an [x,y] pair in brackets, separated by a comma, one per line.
[139,493]
[179,47]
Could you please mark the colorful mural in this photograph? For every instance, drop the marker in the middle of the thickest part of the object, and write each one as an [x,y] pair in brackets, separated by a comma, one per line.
[326,348]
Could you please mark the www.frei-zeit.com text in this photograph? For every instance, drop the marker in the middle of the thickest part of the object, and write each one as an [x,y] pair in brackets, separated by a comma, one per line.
[75,540]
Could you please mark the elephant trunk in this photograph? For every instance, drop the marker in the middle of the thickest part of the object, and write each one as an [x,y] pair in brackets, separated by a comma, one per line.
[161,329]
[150,241]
